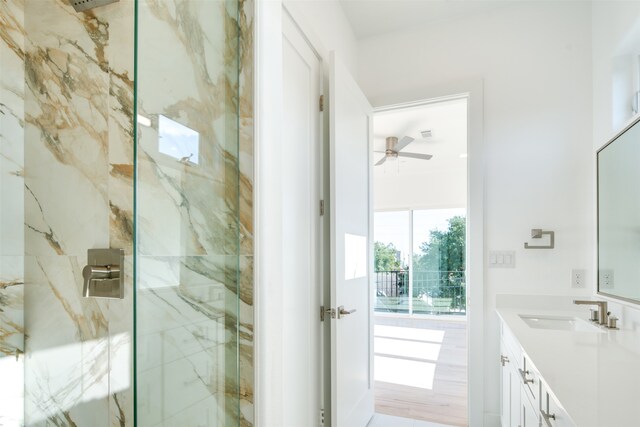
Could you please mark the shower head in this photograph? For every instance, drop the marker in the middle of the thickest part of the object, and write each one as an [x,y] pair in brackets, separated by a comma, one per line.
[82,5]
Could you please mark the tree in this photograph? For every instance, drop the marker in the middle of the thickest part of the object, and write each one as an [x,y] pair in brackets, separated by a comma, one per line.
[444,250]
[385,257]
[386,260]
[441,264]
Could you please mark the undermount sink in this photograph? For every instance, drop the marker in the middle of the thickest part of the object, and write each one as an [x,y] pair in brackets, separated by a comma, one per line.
[559,323]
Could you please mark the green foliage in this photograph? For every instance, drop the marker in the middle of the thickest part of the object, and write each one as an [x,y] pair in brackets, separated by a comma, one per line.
[385,257]
[438,269]
[444,250]
[442,254]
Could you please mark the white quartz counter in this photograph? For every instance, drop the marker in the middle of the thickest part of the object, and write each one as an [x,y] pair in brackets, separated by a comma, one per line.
[595,377]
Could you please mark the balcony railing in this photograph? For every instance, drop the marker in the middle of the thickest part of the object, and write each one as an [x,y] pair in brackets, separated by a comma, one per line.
[433,292]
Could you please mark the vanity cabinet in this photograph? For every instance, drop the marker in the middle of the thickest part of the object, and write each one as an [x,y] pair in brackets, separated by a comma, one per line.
[526,401]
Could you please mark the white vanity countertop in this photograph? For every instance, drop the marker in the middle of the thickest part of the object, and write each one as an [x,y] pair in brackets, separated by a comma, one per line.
[594,376]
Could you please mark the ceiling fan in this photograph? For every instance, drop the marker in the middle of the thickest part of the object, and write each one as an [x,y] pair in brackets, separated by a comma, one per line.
[394,147]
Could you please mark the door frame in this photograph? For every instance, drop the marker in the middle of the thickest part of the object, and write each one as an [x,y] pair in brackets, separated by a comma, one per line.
[267,309]
[269,406]
[473,90]
[316,176]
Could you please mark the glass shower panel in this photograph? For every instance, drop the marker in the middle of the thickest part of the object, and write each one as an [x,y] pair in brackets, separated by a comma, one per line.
[187,183]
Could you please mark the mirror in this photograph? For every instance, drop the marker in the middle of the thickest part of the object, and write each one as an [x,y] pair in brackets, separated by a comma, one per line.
[619,215]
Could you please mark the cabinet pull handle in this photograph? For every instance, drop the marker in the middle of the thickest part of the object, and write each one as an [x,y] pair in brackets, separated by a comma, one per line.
[546,415]
[524,374]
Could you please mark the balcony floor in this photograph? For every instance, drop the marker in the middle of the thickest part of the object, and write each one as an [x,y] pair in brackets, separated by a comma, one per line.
[421,369]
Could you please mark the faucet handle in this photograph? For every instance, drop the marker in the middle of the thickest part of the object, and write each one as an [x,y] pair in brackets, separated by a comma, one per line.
[103,276]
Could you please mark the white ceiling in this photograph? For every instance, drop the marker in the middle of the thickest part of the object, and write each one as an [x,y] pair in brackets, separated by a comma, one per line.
[448,122]
[374,17]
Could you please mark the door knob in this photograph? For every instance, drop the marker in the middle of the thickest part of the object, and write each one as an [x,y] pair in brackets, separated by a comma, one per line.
[342,312]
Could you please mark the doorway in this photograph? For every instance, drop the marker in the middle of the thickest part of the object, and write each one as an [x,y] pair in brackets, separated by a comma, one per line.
[420,253]
[339,133]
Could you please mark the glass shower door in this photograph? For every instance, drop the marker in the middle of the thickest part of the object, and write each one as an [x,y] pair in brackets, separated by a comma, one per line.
[187,186]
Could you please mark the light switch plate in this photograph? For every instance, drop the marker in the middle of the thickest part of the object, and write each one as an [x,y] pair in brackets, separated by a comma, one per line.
[502,259]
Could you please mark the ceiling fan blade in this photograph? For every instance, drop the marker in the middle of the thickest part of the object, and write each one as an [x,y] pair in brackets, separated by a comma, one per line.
[403,143]
[380,151]
[416,156]
[381,161]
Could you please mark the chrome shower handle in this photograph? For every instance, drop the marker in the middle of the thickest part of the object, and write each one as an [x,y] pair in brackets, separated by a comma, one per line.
[100,272]
[103,277]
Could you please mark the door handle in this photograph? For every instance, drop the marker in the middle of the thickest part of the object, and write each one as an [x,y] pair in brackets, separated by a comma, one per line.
[342,312]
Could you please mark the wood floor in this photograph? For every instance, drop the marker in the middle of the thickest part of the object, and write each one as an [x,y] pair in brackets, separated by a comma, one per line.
[423,363]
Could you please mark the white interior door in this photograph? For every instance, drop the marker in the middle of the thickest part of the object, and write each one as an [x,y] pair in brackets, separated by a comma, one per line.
[351,251]
[301,273]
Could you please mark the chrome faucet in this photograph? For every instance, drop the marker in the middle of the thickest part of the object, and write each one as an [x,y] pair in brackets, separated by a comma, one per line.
[603,314]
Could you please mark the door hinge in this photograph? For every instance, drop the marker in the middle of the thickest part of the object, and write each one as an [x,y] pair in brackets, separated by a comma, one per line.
[321,417]
[327,311]
[321,103]
[321,207]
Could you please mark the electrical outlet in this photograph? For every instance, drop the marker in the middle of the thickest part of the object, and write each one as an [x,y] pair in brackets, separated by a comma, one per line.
[605,278]
[578,278]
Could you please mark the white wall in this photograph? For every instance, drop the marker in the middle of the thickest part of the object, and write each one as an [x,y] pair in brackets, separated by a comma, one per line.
[429,190]
[324,22]
[616,47]
[535,59]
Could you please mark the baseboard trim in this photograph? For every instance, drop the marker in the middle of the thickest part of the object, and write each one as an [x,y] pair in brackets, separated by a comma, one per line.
[491,420]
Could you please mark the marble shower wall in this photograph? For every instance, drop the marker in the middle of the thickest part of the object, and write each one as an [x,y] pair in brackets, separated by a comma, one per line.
[78,194]
[66,182]
[11,212]
[195,159]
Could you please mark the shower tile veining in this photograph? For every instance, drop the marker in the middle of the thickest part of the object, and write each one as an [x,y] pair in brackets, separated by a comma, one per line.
[67,169]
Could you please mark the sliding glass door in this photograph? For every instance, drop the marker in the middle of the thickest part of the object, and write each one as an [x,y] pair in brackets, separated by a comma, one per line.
[420,261]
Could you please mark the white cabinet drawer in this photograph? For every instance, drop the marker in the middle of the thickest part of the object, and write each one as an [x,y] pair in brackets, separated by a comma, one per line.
[530,379]
[530,416]
[552,414]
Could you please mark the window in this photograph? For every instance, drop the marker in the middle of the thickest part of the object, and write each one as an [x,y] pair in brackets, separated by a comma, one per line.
[420,261]
[178,141]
